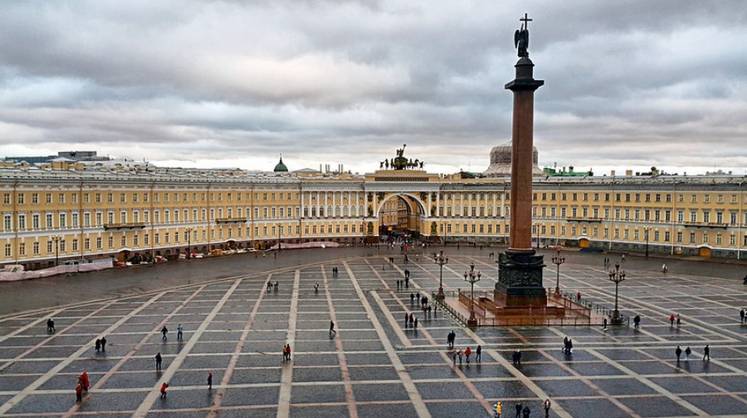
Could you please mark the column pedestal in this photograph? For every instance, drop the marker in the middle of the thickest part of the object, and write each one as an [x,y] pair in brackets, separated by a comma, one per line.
[520,280]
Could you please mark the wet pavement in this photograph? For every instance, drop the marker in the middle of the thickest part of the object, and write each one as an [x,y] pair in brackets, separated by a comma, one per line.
[374,365]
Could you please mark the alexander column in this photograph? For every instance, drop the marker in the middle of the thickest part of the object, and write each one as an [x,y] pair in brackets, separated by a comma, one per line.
[520,269]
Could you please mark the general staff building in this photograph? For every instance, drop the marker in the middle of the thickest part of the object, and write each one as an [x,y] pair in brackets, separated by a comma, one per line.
[66,209]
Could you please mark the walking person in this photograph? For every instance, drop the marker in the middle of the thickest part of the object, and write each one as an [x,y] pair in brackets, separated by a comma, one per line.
[332,331]
[164,331]
[525,412]
[678,353]
[164,388]
[518,410]
[84,381]
[159,361]
[604,325]
[210,380]
[467,353]
[103,344]
[179,333]
[687,353]
[51,330]
[707,352]
[460,353]
[98,345]
[637,321]
[415,323]
[741,316]
[78,393]
[678,320]
[478,354]
[407,319]
[671,320]
[547,405]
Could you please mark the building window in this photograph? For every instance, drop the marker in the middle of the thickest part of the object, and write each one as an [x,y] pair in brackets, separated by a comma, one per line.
[7,250]
[36,247]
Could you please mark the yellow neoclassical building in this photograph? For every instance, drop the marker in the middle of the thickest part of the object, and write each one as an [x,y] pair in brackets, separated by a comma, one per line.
[70,209]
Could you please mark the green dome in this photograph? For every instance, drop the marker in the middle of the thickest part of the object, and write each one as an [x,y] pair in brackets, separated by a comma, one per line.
[280,167]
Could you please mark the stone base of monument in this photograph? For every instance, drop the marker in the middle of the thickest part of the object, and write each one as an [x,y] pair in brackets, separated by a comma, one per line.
[519,298]
[520,280]
[558,310]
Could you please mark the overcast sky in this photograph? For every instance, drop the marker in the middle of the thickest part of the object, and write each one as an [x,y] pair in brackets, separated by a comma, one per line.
[628,84]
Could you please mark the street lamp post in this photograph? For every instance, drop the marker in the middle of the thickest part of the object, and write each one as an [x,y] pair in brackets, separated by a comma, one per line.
[616,276]
[471,276]
[557,260]
[645,231]
[441,261]
[56,240]
[188,231]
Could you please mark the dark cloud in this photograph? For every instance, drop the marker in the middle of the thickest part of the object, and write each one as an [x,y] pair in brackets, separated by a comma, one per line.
[631,83]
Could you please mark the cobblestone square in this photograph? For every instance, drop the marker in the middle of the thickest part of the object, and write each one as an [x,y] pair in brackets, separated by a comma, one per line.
[374,365]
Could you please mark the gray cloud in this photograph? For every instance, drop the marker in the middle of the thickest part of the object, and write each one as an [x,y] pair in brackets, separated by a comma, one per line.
[628,84]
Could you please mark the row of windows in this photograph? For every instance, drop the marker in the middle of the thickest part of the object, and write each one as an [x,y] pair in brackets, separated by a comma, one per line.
[633,197]
[642,214]
[136,197]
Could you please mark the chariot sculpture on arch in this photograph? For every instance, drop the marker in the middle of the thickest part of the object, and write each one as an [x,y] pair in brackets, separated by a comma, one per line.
[400,162]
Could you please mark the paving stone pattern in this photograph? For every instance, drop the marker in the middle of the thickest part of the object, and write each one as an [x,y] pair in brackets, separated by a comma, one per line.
[375,366]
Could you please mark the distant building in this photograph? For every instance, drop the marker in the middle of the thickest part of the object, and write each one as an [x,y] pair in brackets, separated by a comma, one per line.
[129,209]
[70,156]
[500,162]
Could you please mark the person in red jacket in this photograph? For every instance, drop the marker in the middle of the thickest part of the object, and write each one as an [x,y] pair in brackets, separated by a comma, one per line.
[467,353]
[84,381]
[164,387]
[78,392]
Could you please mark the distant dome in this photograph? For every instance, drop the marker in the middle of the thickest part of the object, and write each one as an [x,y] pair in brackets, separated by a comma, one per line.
[280,167]
[500,161]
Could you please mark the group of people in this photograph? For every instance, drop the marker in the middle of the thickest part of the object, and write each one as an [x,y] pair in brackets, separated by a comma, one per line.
[272,286]
[411,320]
[404,284]
[287,352]
[423,302]
[165,332]
[335,271]
[516,357]
[567,345]
[83,384]
[674,318]
[678,353]
[100,345]
[466,354]
[521,410]
[450,338]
